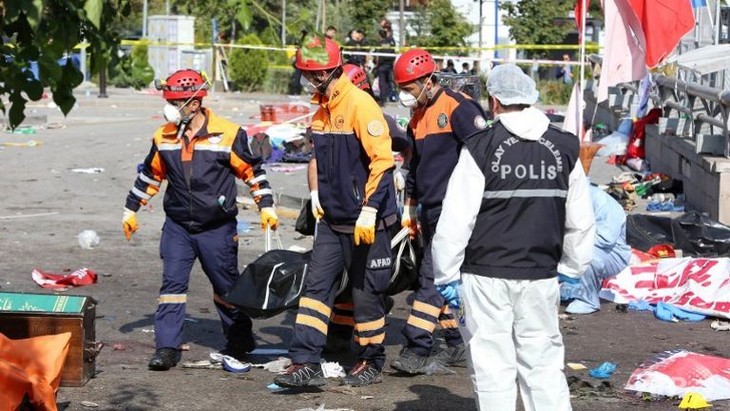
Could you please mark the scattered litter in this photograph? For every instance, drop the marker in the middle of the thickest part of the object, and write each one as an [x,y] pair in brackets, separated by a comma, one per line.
[88,239]
[203,365]
[89,404]
[216,357]
[243,227]
[322,408]
[720,325]
[185,347]
[613,144]
[148,331]
[119,347]
[576,366]
[24,130]
[693,401]
[29,143]
[269,351]
[332,370]
[273,387]
[92,170]
[82,276]
[678,372]
[277,366]
[231,364]
[53,126]
[603,371]
[366,397]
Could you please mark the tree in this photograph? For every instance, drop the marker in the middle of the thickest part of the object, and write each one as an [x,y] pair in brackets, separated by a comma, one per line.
[247,67]
[365,15]
[42,32]
[538,22]
[440,25]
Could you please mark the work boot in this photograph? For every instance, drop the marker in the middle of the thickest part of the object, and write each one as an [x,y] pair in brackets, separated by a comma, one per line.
[452,356]
[363,373]
[301,375]
[164,359]
[410,362]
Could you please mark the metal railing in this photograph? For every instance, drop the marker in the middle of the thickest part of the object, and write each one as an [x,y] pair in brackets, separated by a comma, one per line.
[698,109]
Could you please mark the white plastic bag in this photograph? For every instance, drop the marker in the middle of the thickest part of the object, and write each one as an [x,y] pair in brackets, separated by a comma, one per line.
[613,144]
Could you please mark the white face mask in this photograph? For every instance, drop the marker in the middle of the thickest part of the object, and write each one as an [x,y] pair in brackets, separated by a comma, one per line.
[407,99]
[307,85]
[172,114]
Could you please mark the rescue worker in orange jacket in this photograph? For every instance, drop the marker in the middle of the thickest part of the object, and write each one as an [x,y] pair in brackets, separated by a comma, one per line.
[442,120]
[355,183]
[200,154]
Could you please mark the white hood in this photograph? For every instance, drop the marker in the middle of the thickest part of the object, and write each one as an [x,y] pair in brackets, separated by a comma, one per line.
[529,123]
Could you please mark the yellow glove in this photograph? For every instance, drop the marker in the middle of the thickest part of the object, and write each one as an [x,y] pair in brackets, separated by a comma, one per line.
[365,226]
[269,218]
[129,223]
[409,220]
[317,209]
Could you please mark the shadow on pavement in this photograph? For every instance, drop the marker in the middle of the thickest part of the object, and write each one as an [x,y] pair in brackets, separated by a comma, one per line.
[430,395]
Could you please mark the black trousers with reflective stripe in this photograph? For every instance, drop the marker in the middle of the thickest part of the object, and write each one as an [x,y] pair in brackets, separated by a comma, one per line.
[368,268]
[427,298]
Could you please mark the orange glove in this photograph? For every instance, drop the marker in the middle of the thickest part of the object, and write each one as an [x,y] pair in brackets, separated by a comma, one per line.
[129,223]
[269,218]
[409,220]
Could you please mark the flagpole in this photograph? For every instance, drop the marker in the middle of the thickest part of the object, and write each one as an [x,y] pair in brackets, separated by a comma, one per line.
[581,87]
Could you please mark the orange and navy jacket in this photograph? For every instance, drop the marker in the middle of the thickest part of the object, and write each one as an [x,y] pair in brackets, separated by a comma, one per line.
[354,159]
[201,188]
[439,129]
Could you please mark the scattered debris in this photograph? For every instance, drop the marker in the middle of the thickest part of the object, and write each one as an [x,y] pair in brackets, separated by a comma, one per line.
[576,366]
[119,347]
[278,365]
[203,364]
[367,397]
[92,170]
[332,370]
[29,143]
[720,325]
[89,404]
[148,331]
[231,364]
[603,371]
[88,239]
[82,276]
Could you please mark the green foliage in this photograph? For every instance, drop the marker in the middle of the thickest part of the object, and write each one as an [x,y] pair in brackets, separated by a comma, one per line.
[440,25]
[538,22]
[247,67]
[133,70]
[277,80]
[553,92]
[44,31]
[366,15]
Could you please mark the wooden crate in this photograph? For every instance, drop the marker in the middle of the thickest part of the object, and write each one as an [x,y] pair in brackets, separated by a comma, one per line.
[25,315]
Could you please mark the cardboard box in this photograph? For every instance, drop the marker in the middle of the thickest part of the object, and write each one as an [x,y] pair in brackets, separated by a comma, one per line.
[25,315]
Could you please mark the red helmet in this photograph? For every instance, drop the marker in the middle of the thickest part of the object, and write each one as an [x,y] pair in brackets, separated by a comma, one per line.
[312,56]
[412,65]
[183,84]
[357,76]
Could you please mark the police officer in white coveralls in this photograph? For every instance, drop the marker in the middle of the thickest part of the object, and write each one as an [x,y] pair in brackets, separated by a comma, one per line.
[517,211]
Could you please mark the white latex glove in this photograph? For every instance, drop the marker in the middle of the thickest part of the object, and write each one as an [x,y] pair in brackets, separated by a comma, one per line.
[317,209]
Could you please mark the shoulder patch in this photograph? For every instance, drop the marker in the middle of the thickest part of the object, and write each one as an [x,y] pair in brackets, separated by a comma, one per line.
[375,128]
[480,122]
[442,120]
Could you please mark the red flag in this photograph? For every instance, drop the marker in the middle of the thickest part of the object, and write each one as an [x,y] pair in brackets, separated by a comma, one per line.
[579,17]
[664,23]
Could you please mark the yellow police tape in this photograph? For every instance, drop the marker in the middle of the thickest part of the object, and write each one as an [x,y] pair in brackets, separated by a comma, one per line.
[290,49]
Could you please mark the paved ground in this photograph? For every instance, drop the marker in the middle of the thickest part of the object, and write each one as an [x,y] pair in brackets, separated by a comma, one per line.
[114,134]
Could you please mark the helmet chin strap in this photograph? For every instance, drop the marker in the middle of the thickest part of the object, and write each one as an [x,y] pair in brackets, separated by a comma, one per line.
[322,87]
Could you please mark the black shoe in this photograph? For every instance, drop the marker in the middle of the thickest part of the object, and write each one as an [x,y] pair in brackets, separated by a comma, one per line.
[363,373]
[410,362]
[452,356]
[301,375]
[164,359]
